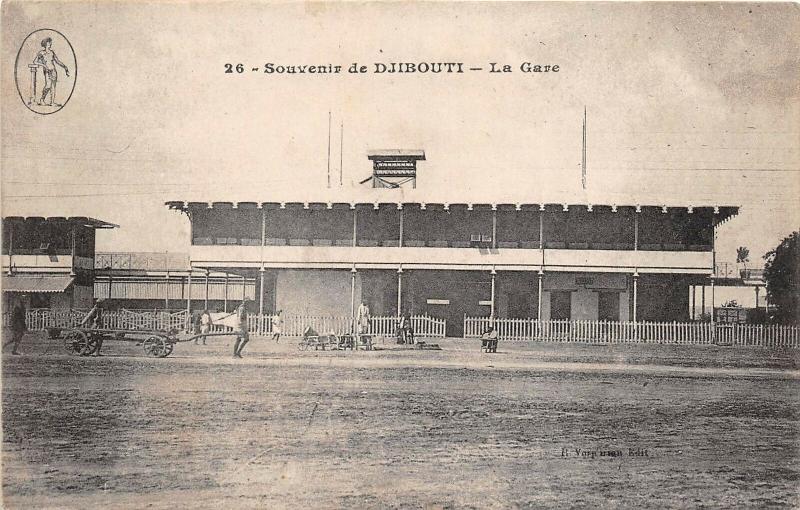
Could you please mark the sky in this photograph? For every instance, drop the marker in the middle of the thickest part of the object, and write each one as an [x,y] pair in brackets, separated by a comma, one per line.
[686,104]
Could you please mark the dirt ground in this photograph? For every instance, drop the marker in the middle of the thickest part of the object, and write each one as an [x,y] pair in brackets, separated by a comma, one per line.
[536,425]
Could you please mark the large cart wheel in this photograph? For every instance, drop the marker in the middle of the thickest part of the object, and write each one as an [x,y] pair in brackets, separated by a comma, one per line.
[170,348]
[156,347]
[79,343]
[74,341]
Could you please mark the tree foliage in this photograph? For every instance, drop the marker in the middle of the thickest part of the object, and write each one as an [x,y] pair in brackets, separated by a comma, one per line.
[782,274]
[742,255]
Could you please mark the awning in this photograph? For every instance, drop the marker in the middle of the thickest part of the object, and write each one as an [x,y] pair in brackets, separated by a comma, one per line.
[33,284]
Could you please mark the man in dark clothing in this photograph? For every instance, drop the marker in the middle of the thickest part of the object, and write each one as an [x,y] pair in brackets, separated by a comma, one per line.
[18,327]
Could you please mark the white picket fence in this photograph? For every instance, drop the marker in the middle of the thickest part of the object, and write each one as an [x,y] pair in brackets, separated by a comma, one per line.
[693,333]
[293,325]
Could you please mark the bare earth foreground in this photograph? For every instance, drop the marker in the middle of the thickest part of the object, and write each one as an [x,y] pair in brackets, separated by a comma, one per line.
[535,425]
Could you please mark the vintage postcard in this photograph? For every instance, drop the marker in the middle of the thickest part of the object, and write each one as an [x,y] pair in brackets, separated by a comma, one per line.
[400,254]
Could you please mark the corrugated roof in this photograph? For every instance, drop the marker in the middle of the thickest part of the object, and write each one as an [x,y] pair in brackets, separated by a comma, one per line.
[79,220]
[33,284]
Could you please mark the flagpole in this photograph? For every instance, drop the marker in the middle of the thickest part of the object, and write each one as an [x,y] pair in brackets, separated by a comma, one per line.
[583,152]
[329,148]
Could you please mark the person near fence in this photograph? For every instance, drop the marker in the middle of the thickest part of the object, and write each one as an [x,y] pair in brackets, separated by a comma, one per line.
[362,319]
[277,325]
[241,329]
[405,332]
[205,325]
[18,328]
[94,320]
[489,339]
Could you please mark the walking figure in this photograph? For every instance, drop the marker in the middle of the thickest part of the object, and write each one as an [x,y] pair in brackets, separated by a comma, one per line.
[242,335]
[48,59]
[18,328]
[205,325]
[277,325]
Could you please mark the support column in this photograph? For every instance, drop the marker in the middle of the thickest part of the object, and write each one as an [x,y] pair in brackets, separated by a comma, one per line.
[494,226]
[109,284]
[494,275]
[33,68]
[261,274]
[400,242]
[10,248]
[541,228]
[757,289]
[206,289]
[636,230]
[166,294]
[72,253]
[694,298]
[244,288]
[353,302]
[635,295]
[355,226]
[539,303]
[703,299]
[225,301]
[713,304]
[189,293]
[400,291]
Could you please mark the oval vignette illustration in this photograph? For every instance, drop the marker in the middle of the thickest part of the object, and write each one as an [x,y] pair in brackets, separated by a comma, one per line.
[45,71]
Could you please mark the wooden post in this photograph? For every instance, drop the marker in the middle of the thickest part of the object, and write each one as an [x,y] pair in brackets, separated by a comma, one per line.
[694,297]
[166,294]
[244,288]
[757,289]
[636,231]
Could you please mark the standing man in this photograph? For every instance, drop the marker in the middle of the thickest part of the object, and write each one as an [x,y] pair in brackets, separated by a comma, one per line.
[48,60]
[242,335]
[18,327]
[362,319]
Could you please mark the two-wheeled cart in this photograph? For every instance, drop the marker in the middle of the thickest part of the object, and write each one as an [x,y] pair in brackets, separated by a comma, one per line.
[156,343]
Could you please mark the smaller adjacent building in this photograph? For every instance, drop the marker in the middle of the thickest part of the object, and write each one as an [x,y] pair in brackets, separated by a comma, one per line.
[164,281]
[49,262]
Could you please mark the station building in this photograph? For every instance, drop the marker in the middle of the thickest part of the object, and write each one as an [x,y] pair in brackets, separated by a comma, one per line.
[49,261]
[399,250]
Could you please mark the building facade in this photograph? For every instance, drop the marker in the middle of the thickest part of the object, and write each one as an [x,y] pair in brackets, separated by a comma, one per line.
[49,262]
[531,260]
